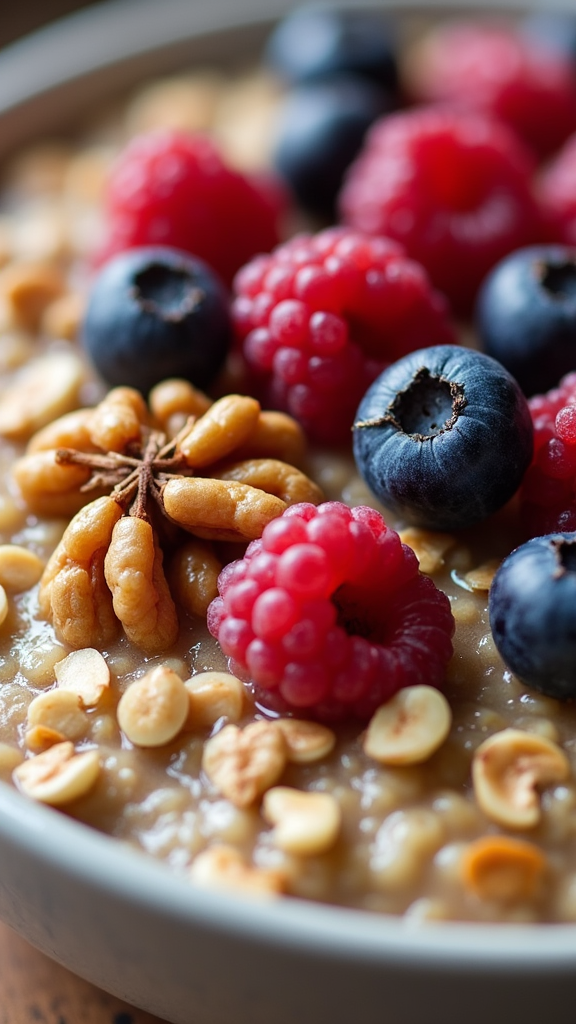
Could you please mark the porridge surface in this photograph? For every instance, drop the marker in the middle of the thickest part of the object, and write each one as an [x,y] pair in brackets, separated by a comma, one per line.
[323,819]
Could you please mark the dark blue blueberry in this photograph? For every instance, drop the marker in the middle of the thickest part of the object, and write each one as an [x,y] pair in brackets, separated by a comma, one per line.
[443,437]
[533,613]
[320,131]
[156,312]
[317,42]
[526,315]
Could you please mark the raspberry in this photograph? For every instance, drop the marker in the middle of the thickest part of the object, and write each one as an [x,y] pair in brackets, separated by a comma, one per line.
[494,69]
[322,315]
[548,495]
[328,614]
[453,188]
[557,193]
[170,188]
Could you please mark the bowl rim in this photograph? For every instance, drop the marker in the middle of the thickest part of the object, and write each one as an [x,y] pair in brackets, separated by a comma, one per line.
[75,50]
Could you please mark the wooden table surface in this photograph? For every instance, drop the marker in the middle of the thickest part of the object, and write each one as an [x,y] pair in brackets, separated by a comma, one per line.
[35,990]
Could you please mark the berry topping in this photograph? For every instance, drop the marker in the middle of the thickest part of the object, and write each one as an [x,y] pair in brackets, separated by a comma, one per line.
[495,69]
[557,194]
[443,437]
[328,613]
[322,315]
[526,315]
[315,43]
[170,188]
[533,613]
[320,131]
[155,313]
[549,488]
[453,188]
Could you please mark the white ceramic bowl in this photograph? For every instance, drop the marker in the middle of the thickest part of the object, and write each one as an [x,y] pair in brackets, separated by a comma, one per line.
[123,921]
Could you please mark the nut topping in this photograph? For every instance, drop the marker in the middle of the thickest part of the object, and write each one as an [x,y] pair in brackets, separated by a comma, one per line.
[84,673]
[305,823]
[410,727]
[154,709]
[503,869]
[223,867]
[59,775]
[306,741]
[244,763]
[508,770]
[214,695]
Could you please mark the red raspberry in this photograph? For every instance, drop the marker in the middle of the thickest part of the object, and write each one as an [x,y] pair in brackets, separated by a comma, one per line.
[494,69]
[558,195]
[170,188]
[453,188]
[548,493]
[328,613]
[322,315]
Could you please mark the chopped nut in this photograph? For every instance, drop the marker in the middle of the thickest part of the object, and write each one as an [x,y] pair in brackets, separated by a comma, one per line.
[175,397]
[223,867]
[306,741]
[20,569]
[228,423]
[429,547]
[69,431]
[274,477]
[481,577]
[63,316]
[502,869]
[118,419]
[410,727]
[44,389]
[506,771]
[220,509]
[49,488]
[10,757]
[140,595]
[244,763]
[40,737]
[59,775]
[3,605]
[153,710]
[305,823]
[275,436]
[28,289]
[59,710]
[193,576]
[214,695]
[84,673]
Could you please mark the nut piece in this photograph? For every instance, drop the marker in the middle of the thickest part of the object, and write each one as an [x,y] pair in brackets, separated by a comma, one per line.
[176,397]
[502,869]
[244,763]
[58,776]
[226,425]
[274,477]
[305,823]
[29,288]
[20,569]
[46,388]
[49,488]
[118,419]
[40,737]
[214,695]
[410,727]
[153,710]
[481,577]
[275,436]
[3,605]
[69,431]
[429,547]
[223,867]
[306,741]
[220,509]
[193,576]
[63,317]
[59,710]
[84,673]
[506,771]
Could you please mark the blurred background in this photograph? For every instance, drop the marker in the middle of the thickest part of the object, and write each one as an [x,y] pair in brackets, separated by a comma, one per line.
[18,19]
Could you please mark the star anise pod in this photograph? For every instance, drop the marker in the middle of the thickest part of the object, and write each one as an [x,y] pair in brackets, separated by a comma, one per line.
[108,567]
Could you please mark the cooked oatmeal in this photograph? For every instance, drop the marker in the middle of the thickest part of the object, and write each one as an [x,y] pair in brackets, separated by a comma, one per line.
[454,806]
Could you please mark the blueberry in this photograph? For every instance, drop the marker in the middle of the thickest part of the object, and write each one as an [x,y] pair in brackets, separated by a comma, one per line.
[533,613]
[316,42]
[526,315]
[443,437]
[156,312]
[320,131]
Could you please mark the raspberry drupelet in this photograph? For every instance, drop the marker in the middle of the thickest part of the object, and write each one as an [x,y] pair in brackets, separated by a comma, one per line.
[328,614]
[172,188]
[548,495]
[493,68]
[322,315]
[453,188]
